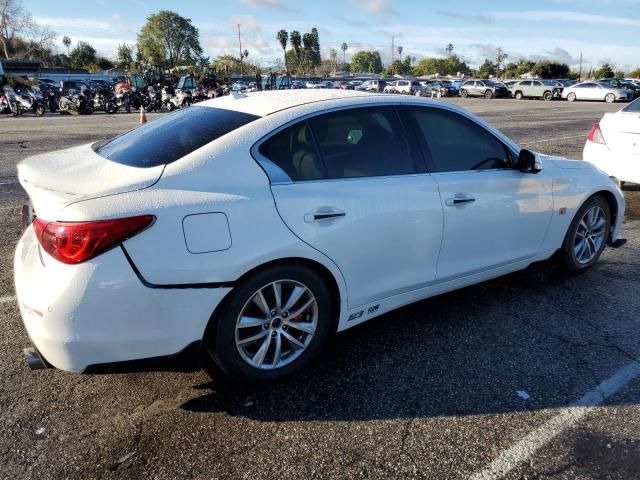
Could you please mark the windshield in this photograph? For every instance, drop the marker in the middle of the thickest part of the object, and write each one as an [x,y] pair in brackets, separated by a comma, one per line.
[172,136]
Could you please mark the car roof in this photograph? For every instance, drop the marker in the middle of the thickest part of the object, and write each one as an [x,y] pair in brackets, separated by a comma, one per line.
[266,103]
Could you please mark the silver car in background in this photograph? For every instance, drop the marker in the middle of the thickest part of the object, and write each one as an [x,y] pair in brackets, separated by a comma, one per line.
[596,91]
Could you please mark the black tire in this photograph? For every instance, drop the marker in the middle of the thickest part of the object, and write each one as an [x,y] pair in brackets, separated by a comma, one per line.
[547,96]
[488,94]
[219,342]
[519,96]
[571,97]
[464,93]
[567,253]
[40,110]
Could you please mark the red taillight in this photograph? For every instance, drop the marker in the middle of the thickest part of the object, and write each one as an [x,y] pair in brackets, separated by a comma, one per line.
[595,135]
[77,242]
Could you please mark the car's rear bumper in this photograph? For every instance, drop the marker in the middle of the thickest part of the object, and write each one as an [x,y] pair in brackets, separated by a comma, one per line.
[99,312]
[624,166]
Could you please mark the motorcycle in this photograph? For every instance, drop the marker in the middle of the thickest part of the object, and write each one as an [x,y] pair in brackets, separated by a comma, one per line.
[103,100]
[175,98]
[29,98]
[76,103]
[8,104]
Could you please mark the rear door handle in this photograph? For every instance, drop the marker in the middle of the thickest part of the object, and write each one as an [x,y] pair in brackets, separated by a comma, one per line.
[323,214]
[459,200]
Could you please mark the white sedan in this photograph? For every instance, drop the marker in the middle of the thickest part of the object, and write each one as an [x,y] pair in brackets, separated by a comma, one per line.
[613,144]
[596,91]
[257,225]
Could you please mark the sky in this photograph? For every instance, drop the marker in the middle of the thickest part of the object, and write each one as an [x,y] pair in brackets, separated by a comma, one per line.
[605,31]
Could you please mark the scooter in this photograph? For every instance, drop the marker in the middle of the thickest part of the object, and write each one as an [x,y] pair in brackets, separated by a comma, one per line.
[8,103]
[29,98]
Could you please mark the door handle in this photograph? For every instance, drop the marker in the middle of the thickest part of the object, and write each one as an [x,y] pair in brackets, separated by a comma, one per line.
[459,200]
[323,215]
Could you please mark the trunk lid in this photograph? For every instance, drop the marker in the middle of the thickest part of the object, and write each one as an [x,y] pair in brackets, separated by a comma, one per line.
[55,180]
[621,131]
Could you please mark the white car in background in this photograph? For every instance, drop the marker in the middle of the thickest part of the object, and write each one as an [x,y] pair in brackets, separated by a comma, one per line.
[613,144]
[596,91]
[256,225]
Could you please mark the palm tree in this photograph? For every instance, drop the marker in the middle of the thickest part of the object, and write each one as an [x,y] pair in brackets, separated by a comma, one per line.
[66,41]
[245,54]
[449,49]
[307,45]
[296,43]
[282,37]
[333,54]
[344,47]
[400,52]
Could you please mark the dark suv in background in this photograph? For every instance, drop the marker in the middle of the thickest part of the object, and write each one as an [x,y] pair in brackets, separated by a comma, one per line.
[484,88]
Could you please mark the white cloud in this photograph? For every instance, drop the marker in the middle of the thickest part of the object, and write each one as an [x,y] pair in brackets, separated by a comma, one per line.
[273,4]
[377,7]
[565,17]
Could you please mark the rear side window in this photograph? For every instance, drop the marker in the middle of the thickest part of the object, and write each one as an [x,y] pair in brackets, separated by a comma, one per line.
[458,144]
[172,136]
[361,142]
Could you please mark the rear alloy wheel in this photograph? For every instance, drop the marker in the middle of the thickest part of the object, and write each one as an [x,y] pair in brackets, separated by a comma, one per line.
[587,235]
[571,97]
[488,94]
[547,96]
[610,98]
[273,325]
[464,93]
[519,96]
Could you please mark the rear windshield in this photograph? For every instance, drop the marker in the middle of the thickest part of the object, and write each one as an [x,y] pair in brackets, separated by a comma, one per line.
[171,136]
[633,107]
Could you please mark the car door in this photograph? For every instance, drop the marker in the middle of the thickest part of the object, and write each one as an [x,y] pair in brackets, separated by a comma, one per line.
[351,186]
[587,91]
[494,215]
[537,88]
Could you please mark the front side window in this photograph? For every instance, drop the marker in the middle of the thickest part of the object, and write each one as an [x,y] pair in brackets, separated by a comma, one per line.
[359,142]
[455,143]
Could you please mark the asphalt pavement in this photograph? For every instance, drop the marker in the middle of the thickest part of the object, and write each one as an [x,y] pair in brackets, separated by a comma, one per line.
[530,376]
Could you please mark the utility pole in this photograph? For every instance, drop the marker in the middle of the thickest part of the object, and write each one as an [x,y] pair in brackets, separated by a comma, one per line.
[580,72]
[240,43]
[393,39]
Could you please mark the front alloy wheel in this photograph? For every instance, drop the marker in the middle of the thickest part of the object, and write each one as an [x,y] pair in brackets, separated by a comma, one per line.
[272,325]
[587,235]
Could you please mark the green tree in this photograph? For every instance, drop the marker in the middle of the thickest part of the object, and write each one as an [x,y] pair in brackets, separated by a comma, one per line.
[66,41]
[124,55]
[307,49]
[400,48]
[443,66]
[605,71]
[83,55]
[548,69]
[316,58]
[367,62]
[487,69]
[168,38]
[283,37]
[619,74]
[514,70]
[635,73]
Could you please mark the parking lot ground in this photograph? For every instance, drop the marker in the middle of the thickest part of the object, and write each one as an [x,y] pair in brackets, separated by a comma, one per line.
[485,382]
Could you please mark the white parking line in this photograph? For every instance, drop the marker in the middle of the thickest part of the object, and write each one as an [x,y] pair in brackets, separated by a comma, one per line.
[554,139]
[538,438]
[7,299]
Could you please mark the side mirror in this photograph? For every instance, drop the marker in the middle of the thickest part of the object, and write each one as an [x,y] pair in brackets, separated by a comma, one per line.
[527,163]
